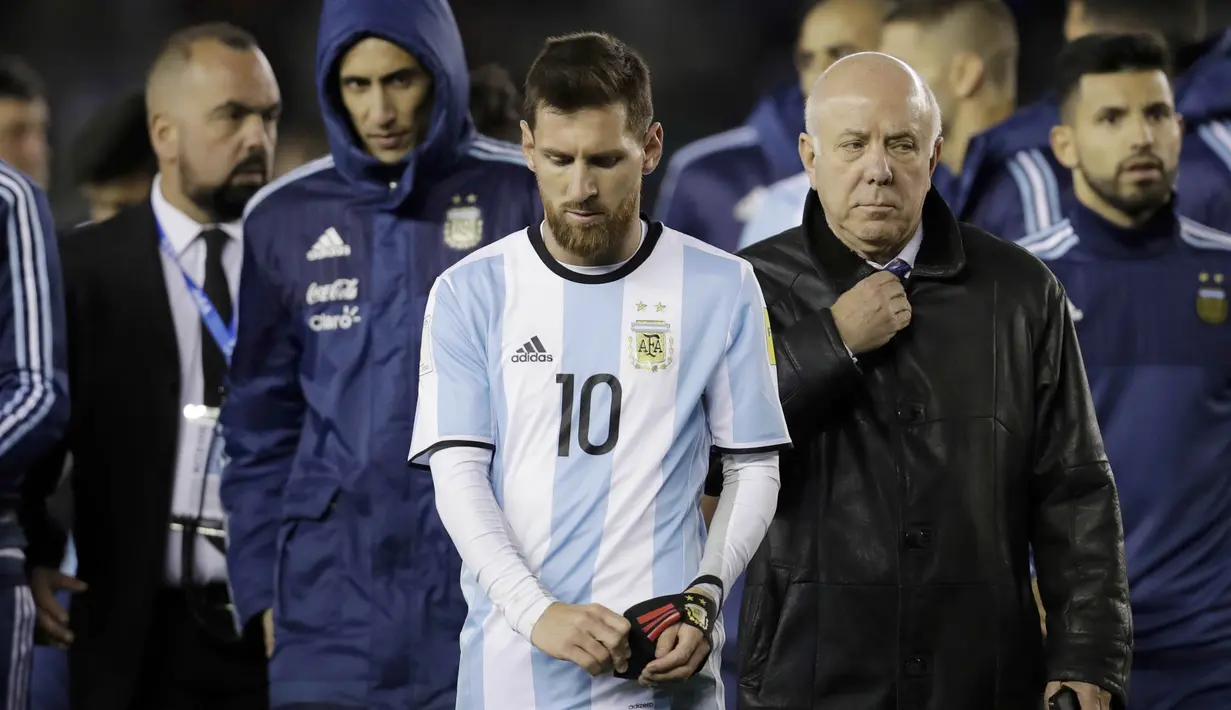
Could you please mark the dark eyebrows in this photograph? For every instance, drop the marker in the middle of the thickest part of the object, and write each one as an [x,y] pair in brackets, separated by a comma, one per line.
[243,109]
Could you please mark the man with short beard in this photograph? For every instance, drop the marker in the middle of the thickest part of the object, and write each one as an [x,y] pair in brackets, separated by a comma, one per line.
[150,301]
[1147,291]
[573,379]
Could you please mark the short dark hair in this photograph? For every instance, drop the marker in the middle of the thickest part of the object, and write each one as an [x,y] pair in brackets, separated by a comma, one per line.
[989,29]
[1106,54]
[1180,22]
[589,70]
[19,81]
[114,143]
[182,41]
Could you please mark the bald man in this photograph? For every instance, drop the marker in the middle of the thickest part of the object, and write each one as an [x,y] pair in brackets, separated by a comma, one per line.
[150,296]
[932,384]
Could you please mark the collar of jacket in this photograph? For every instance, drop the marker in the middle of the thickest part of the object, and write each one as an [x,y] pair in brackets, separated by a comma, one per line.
[941,255]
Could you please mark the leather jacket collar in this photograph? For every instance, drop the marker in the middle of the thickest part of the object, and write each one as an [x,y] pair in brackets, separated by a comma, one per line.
[941,256]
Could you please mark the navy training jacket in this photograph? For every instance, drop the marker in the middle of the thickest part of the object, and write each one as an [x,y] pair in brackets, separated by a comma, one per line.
[326,523]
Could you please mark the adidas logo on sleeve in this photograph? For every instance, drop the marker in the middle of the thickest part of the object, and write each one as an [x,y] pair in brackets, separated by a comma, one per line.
[329,246]
[532,351]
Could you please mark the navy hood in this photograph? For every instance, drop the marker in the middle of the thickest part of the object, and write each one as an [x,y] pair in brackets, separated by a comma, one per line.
[426,29]
[779,119]
[1202,90]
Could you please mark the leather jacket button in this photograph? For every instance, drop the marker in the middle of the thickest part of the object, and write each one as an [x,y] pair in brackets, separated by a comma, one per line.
[916,667]
[918,539]
[911,413]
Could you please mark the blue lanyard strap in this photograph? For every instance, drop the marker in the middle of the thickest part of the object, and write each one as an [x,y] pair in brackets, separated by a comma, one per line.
[222,333]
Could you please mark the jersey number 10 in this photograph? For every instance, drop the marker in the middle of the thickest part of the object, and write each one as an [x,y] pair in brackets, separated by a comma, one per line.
[583,428]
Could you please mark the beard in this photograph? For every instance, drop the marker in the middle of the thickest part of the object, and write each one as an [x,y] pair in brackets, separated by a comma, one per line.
[600,240]
[1137,201]
[225,202]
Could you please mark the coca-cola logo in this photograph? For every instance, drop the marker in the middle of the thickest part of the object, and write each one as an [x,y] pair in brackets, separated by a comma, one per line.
[340,290]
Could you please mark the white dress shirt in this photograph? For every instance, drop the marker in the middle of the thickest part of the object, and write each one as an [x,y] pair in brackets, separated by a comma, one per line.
[182,232]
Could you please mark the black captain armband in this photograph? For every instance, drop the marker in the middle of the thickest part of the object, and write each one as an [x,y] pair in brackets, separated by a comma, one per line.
[652,617]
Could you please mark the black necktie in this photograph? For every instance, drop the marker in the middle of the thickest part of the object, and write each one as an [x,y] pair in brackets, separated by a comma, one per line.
[213,362]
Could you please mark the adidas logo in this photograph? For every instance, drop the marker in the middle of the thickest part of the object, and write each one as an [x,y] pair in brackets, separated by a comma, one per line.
[329,246]
[532,351]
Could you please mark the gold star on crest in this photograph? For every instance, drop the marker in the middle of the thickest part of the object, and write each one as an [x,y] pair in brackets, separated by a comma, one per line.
[471,199]
[640,306]
[660,307]
[457,199]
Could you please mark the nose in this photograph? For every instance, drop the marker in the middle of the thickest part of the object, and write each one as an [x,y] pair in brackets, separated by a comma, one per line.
[1143,133]
[383,110]
[581,183]
[258,135]
[876,168]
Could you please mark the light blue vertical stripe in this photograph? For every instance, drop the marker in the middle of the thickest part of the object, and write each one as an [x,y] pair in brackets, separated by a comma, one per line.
[756,414]
[679,529]
[592,332]
[483,311]
[1026,192]
[461,316]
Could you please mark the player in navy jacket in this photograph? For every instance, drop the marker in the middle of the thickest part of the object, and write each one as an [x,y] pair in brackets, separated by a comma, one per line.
[1147,290]
[714,185]
[1028,191]
[33,398]
[326,526]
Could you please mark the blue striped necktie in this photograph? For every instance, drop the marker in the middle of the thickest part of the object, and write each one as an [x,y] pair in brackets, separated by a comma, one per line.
[898,268]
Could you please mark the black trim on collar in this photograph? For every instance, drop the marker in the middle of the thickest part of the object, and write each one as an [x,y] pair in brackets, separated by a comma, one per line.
[652,234]
[941,254]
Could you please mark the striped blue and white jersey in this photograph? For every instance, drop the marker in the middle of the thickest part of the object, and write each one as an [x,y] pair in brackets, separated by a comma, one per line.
[601,396]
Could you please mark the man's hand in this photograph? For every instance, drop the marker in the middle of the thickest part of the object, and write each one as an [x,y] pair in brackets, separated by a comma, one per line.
[589,635]
[267,625]
[680,650]
[872,312]
[1090,696]
[52,617]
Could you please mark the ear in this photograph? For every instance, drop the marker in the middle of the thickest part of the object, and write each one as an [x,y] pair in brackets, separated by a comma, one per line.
[527,145]
[652,151]
[1179,122]
[1075,20]
[966,74]
[1064,145]
[935,159]
[807,156]
[164,137]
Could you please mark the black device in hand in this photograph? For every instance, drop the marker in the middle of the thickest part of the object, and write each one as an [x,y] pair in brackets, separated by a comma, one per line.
[1065,699]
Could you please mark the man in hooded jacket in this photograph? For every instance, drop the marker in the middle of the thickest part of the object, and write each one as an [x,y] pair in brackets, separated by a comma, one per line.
[331,538]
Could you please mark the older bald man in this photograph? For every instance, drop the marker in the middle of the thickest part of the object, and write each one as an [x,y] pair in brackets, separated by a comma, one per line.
[943,427]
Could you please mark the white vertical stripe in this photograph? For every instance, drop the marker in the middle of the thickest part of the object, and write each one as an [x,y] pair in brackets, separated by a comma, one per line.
[1038,186]
[20,650]
[623,570]
[528,448]
[31,312]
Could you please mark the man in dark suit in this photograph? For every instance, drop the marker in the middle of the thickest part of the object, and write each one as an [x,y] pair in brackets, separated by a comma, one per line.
[150,307]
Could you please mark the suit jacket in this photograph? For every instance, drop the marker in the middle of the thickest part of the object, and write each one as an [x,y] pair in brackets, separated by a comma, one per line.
[124,376]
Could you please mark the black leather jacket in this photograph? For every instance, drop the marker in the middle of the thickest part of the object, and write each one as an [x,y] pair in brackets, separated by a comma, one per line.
[896,574]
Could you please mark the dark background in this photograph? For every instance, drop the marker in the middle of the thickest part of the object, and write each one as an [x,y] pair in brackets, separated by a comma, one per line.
[710,58]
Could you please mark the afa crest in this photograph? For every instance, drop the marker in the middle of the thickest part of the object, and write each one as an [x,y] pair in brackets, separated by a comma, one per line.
[1211,298]
[463,224]
[650,345]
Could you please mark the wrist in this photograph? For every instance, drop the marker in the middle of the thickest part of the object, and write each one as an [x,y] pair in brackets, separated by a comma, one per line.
[524,620]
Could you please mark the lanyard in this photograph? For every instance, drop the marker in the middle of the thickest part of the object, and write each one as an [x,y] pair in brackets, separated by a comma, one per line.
[222,333]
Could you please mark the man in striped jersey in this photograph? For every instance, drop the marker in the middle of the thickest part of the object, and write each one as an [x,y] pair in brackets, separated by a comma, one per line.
[33,401]
[573,380]
[1147,292]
